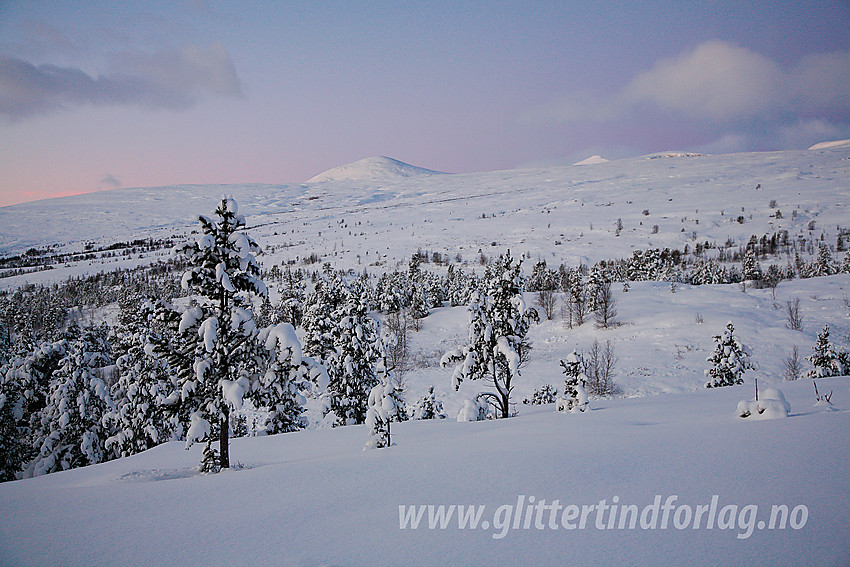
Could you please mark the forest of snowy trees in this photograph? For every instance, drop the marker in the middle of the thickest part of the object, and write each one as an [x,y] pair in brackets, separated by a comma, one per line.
[198,351]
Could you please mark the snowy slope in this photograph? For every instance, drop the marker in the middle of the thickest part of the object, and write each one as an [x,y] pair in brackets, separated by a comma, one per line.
[561,214]
[315,498]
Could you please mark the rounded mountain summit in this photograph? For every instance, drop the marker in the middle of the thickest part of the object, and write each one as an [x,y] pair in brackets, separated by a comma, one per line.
[377,168]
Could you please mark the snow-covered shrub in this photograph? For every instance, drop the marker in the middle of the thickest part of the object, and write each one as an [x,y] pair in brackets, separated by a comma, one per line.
[730,359]
[545,395]
[576,404]
[771,405]
[427,407]
[385,406]
[573,375]
[473,410]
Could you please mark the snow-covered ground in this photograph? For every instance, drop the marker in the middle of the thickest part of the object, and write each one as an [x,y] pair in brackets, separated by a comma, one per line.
[315,498]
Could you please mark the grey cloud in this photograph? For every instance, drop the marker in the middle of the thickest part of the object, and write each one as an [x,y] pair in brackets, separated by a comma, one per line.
[164,80]
[720,82]
[111,180]
[717,81]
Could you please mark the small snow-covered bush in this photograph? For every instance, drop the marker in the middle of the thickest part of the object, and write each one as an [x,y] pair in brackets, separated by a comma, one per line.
[428,407]
[772,405]
[472,410]
[576,404]
[545,395]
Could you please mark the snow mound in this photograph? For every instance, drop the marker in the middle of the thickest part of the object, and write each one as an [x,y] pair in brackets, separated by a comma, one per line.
[831,144]
[772,405]
[592,160]
[377,168]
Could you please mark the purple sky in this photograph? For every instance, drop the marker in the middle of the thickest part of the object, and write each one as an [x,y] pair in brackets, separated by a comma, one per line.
[124,94]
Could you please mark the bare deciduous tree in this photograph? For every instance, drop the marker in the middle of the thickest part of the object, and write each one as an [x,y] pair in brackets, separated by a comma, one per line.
[399,324]
[793,315]
[547,300]
[605,311]
[599,364]
[793,368]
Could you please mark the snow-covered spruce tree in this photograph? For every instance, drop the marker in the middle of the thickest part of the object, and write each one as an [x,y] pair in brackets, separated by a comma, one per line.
[596,280]
[824,359]
[319,321]
[223,277]
[750,269]
[14,449]
[351,365]
[730,360]
[287,373]
[573,375]
[139,418]
[291,306]
[427,407]
[499,320]
[545,395]
[822,266]
[391,292]
[71,427]
[574,288]
[459,286]
[385,406]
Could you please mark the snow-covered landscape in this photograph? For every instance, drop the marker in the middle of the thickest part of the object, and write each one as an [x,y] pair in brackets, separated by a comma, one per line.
[704,486]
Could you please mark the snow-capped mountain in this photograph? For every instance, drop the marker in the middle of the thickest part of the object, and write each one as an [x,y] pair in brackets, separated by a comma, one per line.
[377,168]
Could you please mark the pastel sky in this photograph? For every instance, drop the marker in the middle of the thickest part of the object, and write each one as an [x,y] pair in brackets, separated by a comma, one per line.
[100,94]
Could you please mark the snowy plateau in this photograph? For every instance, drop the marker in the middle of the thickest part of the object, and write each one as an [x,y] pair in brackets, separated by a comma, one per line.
[661,452]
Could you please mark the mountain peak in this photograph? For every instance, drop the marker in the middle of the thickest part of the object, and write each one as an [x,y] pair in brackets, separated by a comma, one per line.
[377,168]
[592,160]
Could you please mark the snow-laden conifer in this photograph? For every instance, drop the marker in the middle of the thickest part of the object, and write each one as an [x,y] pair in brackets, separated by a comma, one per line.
[385,406]
[223,277]
[730,359]
[825,360]
[427,407]
[497,346]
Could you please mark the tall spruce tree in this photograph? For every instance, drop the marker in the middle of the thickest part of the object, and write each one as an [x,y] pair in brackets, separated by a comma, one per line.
[351,365]
[223,277]
[499,320]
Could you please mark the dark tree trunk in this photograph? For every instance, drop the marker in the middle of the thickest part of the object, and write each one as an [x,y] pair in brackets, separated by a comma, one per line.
[224,440]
